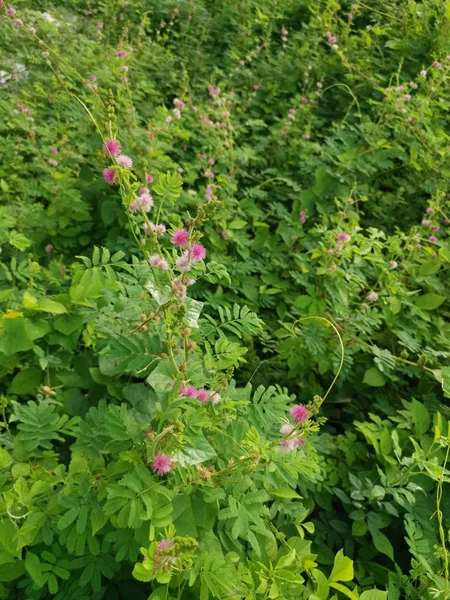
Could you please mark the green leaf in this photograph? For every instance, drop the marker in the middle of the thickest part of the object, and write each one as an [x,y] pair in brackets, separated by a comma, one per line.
[193,310]
[33,567]
[26,382]
[429,268]
[373,595]
[5,458]
[374,377]
[18,240]
[68,518]
[12,570]
[50,306]
[16,337]
[429,301]
[382,543]
[344,590]
[421,417]
[342,568]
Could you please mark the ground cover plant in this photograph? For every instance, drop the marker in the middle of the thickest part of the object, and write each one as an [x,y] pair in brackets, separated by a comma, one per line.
[224,317]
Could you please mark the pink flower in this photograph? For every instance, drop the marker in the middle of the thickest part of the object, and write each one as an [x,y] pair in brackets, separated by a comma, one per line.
[430,211]
[215,398]
[144,190]
[121,53]
[93,77]
[211,161]
[134,207]
[343,237]
[32,30]
[423,73]
[149,178]
[224,235]
[100,25]
[286,428]
[180,238]
[304,100]
[52,162]
[159,229]
[372,297]
[332,39]
[158,263]
[302,216]
[164,544]
[432,239]
[146,201]
[393,264]
[48,248]
[111,147]
[306,136]
[54,150]
[188,391]
[203,395]
[436,64]
[179,103]
[284,31]
[299,413]
[11,11]
[124,161]
[209,174]
[436,228]
[162,464]
[197,252]
[183,263]
[110,176]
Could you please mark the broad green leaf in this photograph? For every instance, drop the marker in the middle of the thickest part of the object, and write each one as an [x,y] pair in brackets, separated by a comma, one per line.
[33,567]
[344,590]
[429,301]
[374,377]
[373,595]
[342,568]
[421,416]
[5,458]
[429,268]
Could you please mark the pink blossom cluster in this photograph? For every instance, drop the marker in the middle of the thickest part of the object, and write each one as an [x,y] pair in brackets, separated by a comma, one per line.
[214,91]
[162,559]
[143,201]
[284,35]
[158,262]
[332,39]
[302,216]
[429,224]
[202,395]
[291,443]
[372,296]
[162,464]
[24,109]
[179,288]
[159,229]
[209,192]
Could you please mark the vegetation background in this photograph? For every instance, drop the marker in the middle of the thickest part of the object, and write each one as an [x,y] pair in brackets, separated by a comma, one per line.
[224,310]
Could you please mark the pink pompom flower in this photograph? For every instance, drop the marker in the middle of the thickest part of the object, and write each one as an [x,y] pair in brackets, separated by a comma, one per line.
[110,176]
[54,150]
[299,413]
[432,239]
[124,161]
[162,464]
[180,238]
[183,263]
[286,428]
[203,396]
[11,11]
[121,53]
[111,147]
[197,252]
[188,391]
[372,297]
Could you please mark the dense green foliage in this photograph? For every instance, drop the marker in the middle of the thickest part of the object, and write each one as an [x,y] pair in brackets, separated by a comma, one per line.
[148,448]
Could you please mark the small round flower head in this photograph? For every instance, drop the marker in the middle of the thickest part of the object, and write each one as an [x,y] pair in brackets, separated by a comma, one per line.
[423,73]
[432,239]
[54,150]
[168,119]
[124,161]
[27,110]
[100,25]
[393,264]
[197,252]
[93,77]
[111,147]
[430,210]
[121,53]
[48,248]
[203,396]
[306,136]
[52,162]
[299,413]
[11,11]
[436,228]
[299,442]
[134,207]
[332,39]
[180,238]
[209,174]
[302,216]
[149,178]
[287,445]
[144,190]
[436,64]
[224,235]
[343,237]
[176,113]
[188,391]
[179,103]
[183,263]
[110,176]
[161,464]
[372,297]
[211,161]
[215,398]
[158,263]
[32,30]
[146,201]
[159,229]
[426,223]
[45,54]
[286,428]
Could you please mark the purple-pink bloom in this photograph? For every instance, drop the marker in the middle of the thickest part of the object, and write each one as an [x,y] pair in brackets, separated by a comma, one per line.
[124,161]
[436,64]
[302,216]
[111,147]
[11,11]
[215,398]
[161,464]
[52,162]
[188,391]
[432,239]
[48,248]
[426,223]
[430,210]
[183,263]
[209,174]
[393,264]
[110,176]
[54,150]
[164,544]
[149,178]
[146,201]
[203,395]
[299,413]
[158,263]
[121,53]
[286,428]
[197,252]
[180,238]
[93,77]
[211,161]
[372,297]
